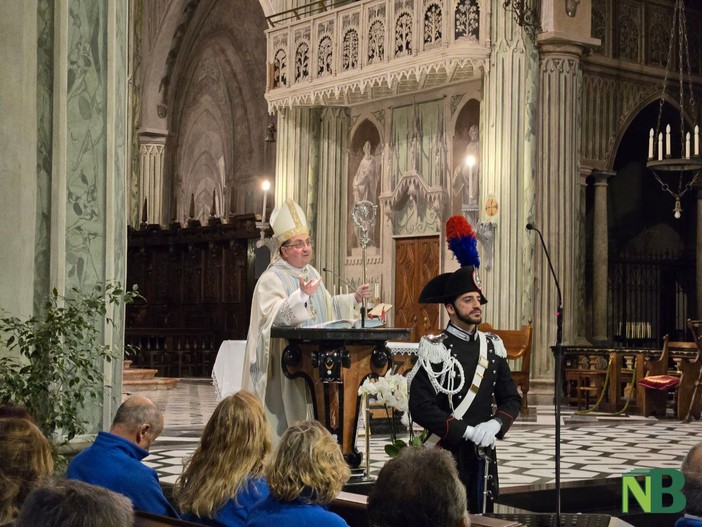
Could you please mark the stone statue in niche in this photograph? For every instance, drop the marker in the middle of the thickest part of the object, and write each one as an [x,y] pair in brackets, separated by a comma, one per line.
[365,181]
[467,171]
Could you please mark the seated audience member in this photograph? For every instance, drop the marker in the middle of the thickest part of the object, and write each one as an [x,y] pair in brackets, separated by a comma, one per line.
[16,410]
[307,472]
[692,490]
[419,488]
[71,503]
[113,461]
[224,477]
[25,460]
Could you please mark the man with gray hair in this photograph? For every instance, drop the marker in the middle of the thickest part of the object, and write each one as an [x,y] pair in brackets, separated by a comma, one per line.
[692,490]
[71,503]
[419,488]
[113,461]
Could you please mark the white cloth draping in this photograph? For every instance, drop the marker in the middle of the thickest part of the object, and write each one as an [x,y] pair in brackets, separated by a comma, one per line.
[228,370]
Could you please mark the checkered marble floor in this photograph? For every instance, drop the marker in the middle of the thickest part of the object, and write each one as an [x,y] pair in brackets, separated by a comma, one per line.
[591,446]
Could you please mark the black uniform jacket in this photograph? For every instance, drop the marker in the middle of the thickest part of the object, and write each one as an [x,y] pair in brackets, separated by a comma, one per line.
[432,411]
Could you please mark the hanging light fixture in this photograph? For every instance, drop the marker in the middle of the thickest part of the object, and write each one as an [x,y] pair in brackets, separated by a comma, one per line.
[676,173]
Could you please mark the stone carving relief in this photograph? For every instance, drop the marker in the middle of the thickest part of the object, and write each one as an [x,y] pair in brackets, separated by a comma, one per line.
[280,60]
[599,22]
[376,34]
[350,43]
[658,37]
[629,31]
[302,54]
[467,15]
[403,34]
[365,168]
[325,56]
[433,22]
[325,48]
[280,69]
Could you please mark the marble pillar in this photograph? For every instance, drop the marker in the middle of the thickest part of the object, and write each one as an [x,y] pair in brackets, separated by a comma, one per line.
[600,257]
[508,145]
[557,205]
[151,178]
[332,216]
[65,151]
[297,160]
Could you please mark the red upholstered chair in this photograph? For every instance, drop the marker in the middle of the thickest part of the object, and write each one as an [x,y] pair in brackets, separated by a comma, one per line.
[658,382]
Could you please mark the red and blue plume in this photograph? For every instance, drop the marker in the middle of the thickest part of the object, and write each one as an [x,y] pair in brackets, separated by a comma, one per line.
[462,241]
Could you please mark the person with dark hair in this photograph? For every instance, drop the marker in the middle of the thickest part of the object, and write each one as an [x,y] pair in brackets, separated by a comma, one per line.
[71,503]
[307,472]
[462,372]
[419,488]
[113,461]
[224,477]
[26,460]
[16,410]
[692,489]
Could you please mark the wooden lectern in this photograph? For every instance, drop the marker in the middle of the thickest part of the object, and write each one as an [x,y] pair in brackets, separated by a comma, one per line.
[334,363]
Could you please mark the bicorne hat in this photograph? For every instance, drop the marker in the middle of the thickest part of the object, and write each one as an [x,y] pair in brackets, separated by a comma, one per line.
[446,287]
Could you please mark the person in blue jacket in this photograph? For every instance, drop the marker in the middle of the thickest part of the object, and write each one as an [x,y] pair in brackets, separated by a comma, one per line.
[307,472]
[224,477]
[113,461]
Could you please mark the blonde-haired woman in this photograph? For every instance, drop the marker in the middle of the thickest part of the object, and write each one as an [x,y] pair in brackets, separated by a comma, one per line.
[307,472]
[224,477]
[26,460]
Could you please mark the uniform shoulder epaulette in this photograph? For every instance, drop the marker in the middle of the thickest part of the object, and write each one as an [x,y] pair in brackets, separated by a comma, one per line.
[497,343]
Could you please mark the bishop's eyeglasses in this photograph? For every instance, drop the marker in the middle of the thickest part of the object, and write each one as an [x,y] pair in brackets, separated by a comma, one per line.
[300,245]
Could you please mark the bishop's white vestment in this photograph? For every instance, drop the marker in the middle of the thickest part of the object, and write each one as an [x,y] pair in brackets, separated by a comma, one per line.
[279,302]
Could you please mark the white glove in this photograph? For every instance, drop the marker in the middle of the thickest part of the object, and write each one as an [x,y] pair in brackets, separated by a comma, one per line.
[484,433]
[468,434]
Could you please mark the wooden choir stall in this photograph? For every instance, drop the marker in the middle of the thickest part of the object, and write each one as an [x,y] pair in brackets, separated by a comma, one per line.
[334,363]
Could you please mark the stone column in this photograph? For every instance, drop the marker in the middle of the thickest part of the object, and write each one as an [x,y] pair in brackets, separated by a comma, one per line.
[65,161]
[508,144]
[557,203]
[151,184]
[600,258]
[331,211]
[297,159]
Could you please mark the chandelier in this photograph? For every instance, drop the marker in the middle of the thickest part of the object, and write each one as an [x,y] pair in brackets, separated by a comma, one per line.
[676,171]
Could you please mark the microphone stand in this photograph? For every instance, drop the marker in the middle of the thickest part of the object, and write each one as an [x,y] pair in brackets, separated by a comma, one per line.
[558,358]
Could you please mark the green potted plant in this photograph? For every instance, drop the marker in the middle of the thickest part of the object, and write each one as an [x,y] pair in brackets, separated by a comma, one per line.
[56,369]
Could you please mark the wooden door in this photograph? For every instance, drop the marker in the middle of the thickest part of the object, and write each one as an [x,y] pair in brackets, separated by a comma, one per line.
[416,262]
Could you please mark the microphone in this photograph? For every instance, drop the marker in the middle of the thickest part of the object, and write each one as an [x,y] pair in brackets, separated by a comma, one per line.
[339,277]
[557,386]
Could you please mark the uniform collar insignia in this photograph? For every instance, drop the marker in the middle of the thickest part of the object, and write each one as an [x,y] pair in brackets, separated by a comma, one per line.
[463,335]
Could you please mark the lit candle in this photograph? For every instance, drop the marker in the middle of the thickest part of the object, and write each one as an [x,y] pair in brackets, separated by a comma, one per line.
[660,146]
[650,144]
[697,141]
[687,146]
[265,186]
[667,141]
